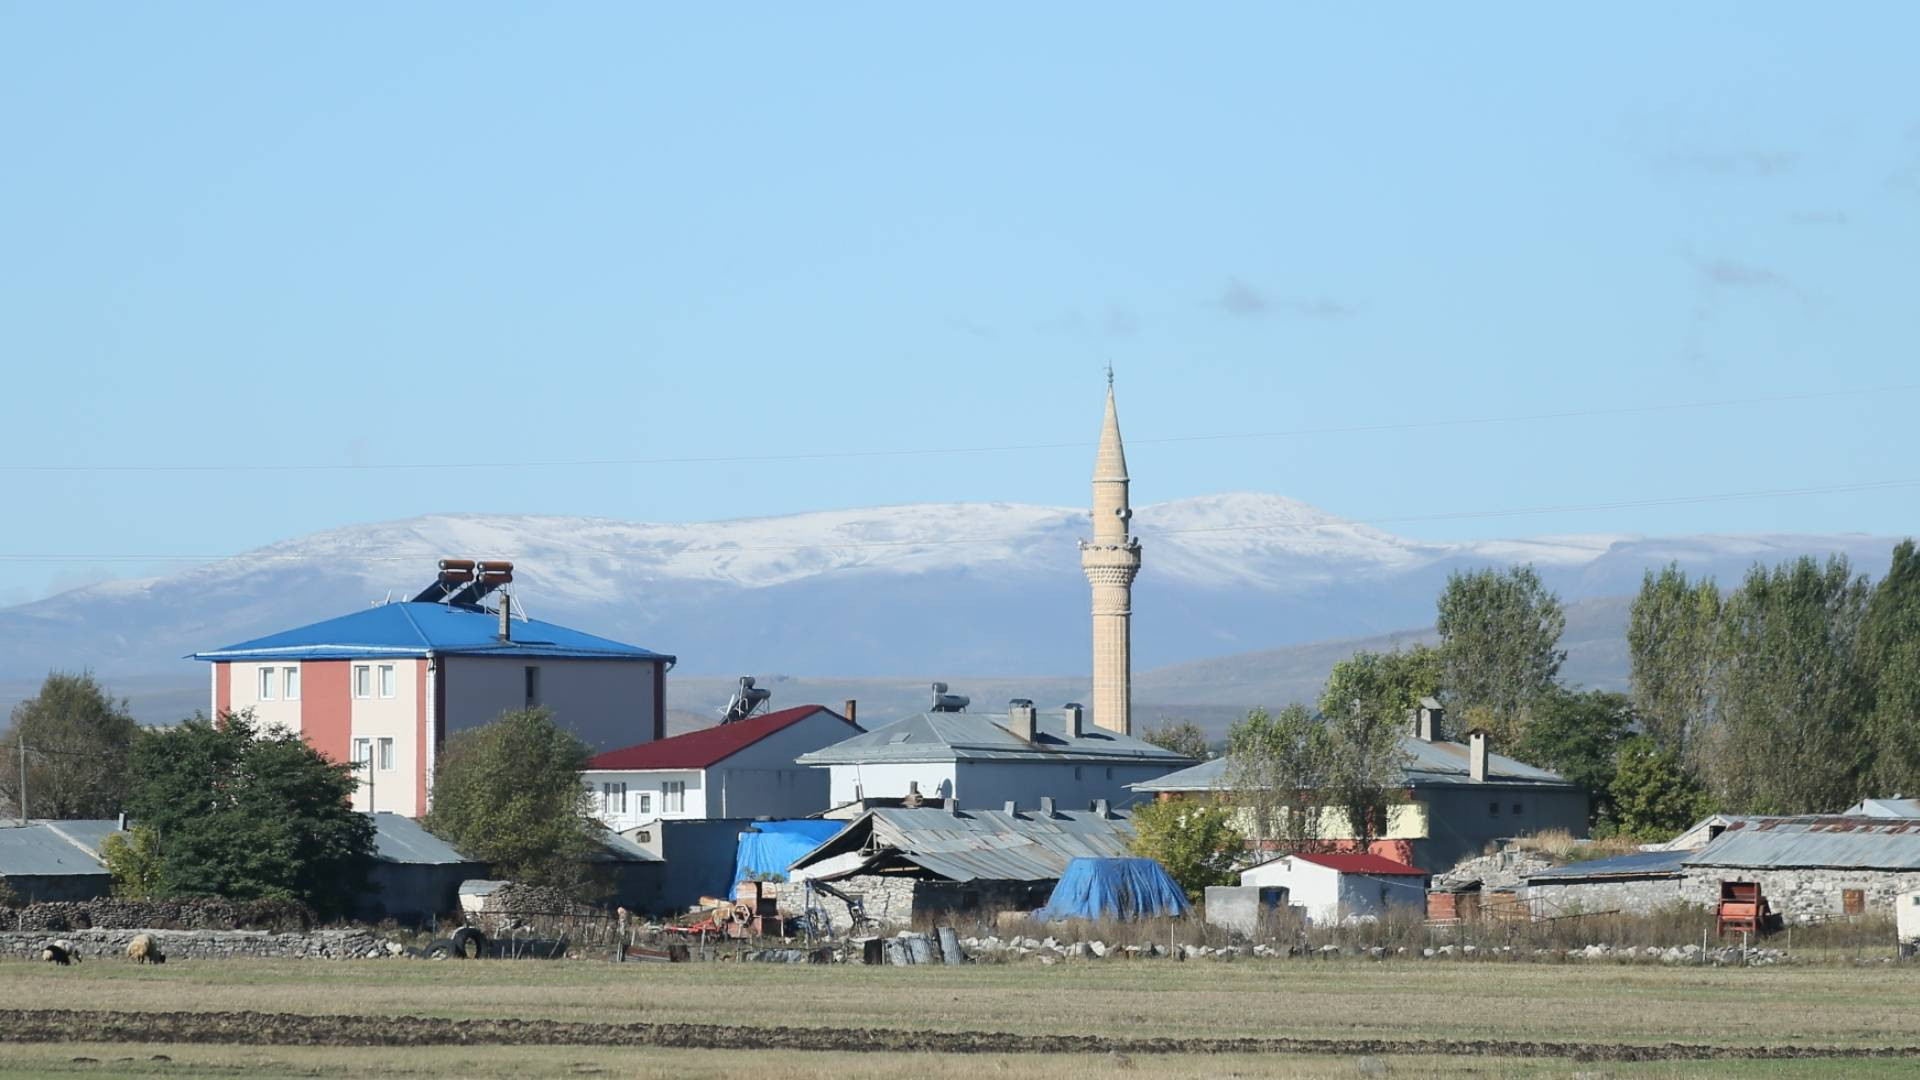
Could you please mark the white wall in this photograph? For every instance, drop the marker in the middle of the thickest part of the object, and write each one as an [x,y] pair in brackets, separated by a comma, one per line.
[650,783]
[607,703]
[890,780]
[1315,888]
[395,789]
[245,691]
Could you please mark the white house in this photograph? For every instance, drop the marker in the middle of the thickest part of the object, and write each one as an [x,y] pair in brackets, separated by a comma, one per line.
[984,761]
[1342,885]
[744,769]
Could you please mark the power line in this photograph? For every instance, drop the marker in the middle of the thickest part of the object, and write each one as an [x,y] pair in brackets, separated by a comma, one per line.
[1459,515]
[826,455]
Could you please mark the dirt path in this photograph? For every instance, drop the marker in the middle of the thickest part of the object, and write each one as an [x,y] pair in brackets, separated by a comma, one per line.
[298,1029]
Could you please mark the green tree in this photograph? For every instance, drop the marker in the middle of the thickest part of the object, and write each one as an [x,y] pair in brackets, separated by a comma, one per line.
[249,813]
[509,793]
[134,862]
[1194,839]
[1366,768]
[1499,645]
[1386,684]
[1792,694]
[1578,735]
[1183,737]
[1673,638]
[1890,662]
[77,741]
[1275,766]
[1654,797]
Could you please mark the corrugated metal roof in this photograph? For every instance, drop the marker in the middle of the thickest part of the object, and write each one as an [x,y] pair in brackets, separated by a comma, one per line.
[51,849]
[1894,807]
[984,737]
[417,629]
[401,839]
[1637,864]
[983,845]
[1840,842]
[1429,764]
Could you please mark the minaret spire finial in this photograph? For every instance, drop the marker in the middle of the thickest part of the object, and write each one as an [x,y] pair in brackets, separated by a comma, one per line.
[1109,376]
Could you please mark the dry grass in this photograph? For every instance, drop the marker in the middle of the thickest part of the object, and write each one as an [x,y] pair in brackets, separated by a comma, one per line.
[1334,999]
[538,1063]
[1561,845]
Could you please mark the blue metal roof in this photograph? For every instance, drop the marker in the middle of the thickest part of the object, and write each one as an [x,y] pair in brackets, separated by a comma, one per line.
[1638,864]
[417,629]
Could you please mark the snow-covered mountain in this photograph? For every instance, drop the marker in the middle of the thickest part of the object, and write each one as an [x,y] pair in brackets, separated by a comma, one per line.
[980,589]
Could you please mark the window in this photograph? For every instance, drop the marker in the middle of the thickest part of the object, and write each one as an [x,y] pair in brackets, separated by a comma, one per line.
[386,753]
[1516,809]
[533,687]
[1493,809]
[1076,772]
[1853,901]
[646,802]
[266,684]
[362,681]
[673,797]
[362,751]
[1109,772]
[613,797]
[386,680]
[291,678]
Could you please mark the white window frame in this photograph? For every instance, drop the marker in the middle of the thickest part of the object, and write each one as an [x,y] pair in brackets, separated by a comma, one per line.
[673,796]
[389,681]
[613,796]
[645,804]
[362,751]
[290,683]
[266,687]
[362,681]
[385,746]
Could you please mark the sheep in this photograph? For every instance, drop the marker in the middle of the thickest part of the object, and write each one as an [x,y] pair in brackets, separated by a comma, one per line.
[60,952]
[144,950]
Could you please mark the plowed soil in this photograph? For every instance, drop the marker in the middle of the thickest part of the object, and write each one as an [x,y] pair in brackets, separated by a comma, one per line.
[301,1029]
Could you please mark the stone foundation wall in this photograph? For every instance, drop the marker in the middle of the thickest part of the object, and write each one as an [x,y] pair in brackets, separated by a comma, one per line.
[106,913]
[202,944]
[887,900]
[1804,895]
[1639,896]
[893,902]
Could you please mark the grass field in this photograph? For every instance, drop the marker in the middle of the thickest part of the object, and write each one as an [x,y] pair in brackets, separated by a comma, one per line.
[1338,1000]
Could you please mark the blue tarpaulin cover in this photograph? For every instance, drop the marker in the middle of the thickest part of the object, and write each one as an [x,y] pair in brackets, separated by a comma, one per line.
[1114,889]
[770,847]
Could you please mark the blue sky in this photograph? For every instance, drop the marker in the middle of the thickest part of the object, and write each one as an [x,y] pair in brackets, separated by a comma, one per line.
[257,235]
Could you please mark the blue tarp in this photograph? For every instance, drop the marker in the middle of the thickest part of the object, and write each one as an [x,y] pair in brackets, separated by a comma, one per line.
[1114,889]
[767,849]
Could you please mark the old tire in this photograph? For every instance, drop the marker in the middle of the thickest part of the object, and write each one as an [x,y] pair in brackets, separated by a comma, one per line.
[469,944]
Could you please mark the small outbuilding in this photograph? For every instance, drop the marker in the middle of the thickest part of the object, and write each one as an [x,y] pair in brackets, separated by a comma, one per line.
[1125,889]
[1340,886]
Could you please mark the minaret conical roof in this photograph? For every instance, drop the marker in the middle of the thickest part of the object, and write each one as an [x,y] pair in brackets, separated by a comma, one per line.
[1111,464]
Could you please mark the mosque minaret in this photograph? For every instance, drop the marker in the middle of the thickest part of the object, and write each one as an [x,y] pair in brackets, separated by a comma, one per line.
[1111,559]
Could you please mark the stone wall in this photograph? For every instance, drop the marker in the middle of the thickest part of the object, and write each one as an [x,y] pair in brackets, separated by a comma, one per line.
[202,944]
[105,913]
[1635,896]
[1803,895]
[893,902]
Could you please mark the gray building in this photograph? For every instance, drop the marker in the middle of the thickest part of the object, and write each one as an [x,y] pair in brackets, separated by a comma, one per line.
[55,860]
[1457,799]
[986,760]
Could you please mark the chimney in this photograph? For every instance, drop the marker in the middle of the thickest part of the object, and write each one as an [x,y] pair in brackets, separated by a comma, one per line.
[1013,809]
[1100,808]
[1427,719]
[1477,755]
[852,712]
[506,616]
[1020,718]
[913,794]
[1073,719]
[1046,806]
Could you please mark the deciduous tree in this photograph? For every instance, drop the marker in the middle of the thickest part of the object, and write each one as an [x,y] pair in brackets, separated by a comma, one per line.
[1654,796]
[1673,637]
[1578,735]
[1890,662]
[77,740]
[1386,684]
[509,793]
[1499,644]
[1194,839]
[1276,765]
[249,813]
[1183,737]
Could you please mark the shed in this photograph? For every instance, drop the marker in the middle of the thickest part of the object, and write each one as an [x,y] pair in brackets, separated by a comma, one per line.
[55,860]
[415,874]
[1342,886]
[767,848]
[1640,882]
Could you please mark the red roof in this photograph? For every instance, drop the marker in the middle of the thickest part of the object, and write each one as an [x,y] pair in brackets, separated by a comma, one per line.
[710,746]
[1360,862]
